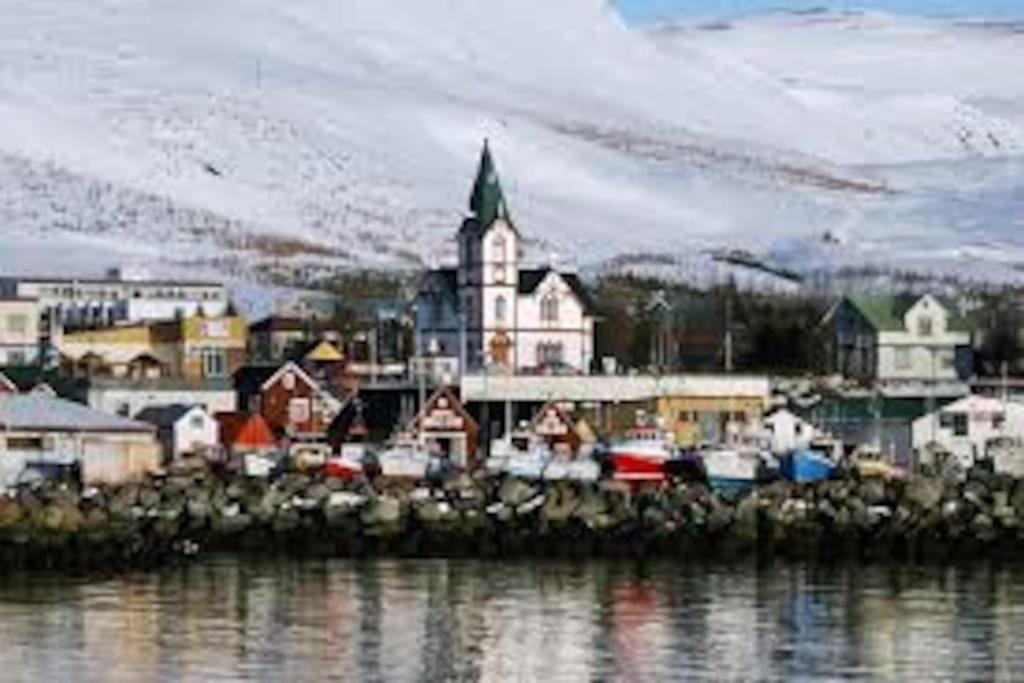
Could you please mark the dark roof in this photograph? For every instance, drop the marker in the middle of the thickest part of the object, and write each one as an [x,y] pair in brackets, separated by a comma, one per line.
[27,377]
[445,280]
[249,380]
[279,323]
[163,416]
[487,201]
[530,279]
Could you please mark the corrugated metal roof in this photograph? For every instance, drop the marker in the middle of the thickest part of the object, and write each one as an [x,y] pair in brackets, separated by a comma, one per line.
[39,412]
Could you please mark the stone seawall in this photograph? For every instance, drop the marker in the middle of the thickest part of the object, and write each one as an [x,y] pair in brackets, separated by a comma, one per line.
[187,514]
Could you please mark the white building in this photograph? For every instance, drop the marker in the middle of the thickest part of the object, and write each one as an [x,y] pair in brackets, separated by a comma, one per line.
[38,433]
[19,331]
[899,339]
[966,427]
[121,296]
[182,430]
[125,397]
[491,311]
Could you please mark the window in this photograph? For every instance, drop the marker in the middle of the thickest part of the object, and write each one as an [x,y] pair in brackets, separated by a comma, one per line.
[24,443]
[298,410]
[196,421]
[924,326]
[499,273]
[959,424]
[903,359]
[947,360]
[549,353]
[500,309]
[499,250]
[549,308]
[998,420]
[215,362]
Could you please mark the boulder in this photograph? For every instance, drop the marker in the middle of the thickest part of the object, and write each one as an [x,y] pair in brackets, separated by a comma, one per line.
[924,492]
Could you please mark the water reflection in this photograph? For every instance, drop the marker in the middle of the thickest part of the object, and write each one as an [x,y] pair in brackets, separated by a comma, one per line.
[230,620]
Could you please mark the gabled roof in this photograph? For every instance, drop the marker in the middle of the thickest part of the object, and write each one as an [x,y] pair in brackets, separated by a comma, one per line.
[254,379]
[279,323]
[249,379]
[530,279]
[885,312]
[444,280]
[164,416]
[7,385]
[454,404]
[245,430]
[38,412]
[323,351]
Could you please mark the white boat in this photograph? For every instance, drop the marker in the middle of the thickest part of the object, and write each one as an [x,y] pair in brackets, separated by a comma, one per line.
[737,466]
[537,462]
[405,461]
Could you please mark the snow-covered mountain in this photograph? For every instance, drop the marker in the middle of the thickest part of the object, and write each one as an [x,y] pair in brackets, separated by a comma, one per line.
[247,136]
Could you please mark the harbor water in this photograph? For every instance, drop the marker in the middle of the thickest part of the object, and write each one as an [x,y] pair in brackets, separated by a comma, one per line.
[235,619]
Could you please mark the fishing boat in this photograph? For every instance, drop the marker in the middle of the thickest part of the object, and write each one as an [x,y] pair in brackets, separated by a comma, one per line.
[348,464]
[406,461]
[806,464]
[643,456]
[737,466]
[533,460]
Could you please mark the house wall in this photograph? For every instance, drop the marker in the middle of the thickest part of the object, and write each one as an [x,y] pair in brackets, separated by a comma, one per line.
[19,331]
[694,419]
[116,458]
[197,430]
[112,457]
[297,407]
[981,428]
[130,401]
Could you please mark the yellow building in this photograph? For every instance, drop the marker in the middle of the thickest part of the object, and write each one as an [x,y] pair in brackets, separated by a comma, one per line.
[191,348]
[696,419]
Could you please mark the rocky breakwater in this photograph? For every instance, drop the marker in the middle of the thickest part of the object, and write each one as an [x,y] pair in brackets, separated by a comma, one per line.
[188,513]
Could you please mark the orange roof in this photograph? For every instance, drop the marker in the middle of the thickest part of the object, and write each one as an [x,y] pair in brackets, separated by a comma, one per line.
[245,430]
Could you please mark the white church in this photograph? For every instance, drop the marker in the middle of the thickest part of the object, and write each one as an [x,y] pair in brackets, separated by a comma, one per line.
[490,312]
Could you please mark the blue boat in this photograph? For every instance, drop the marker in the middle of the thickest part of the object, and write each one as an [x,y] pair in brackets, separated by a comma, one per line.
[807,465]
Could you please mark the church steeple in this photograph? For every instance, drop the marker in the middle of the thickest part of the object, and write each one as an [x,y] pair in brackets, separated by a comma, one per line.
[487,201]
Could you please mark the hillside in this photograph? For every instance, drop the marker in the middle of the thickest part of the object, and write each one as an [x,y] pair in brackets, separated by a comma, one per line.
[249,137]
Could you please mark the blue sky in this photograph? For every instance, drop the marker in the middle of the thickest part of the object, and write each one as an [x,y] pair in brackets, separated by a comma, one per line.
[642,10]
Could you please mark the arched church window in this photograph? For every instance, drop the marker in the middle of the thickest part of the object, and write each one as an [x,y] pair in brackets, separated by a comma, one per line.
[549,308]
[500,309]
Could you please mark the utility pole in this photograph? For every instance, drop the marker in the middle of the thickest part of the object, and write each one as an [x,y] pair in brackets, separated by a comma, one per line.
[728,332]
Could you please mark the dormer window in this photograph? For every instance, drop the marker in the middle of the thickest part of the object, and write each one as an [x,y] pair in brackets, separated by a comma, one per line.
[924,326]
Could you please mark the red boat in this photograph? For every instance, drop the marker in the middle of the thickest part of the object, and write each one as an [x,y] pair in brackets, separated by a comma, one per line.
[642,455]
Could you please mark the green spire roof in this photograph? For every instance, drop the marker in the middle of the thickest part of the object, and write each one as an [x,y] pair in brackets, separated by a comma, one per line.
[487,201]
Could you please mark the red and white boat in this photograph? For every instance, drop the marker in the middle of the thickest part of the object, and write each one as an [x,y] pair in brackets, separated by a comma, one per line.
[642,455]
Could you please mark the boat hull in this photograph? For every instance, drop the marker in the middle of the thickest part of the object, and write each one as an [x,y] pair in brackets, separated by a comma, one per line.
[805,466]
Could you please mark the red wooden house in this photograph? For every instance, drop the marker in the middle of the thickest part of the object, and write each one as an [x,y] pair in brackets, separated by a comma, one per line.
[293,404]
